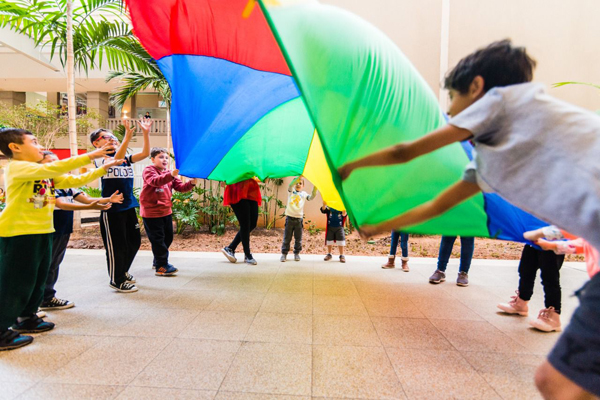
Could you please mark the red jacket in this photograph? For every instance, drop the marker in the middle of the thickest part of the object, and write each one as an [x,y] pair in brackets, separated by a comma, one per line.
[155,198]
[247,189]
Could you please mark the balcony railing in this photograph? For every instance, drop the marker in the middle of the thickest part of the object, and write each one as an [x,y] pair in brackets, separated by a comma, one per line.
[159,126]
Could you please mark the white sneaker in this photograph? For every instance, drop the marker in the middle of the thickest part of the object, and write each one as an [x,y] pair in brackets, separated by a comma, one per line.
[548,320]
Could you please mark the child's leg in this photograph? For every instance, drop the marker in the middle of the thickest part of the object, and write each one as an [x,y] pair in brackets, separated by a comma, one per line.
[155,230]
[288,232]
[134,236]
[329,248]
[550,264]
[59,248]
[467,248]
[23,269]
[168,233]
[394,243]
[528,267]
[445,251]
[114,235]
[341,249]
[298,235]
[404,245]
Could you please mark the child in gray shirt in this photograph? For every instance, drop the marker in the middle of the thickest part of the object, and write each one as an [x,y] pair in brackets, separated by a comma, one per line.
[539,153]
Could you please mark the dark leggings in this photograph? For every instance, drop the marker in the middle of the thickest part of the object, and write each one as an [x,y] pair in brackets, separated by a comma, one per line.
[246,212]
[549,263]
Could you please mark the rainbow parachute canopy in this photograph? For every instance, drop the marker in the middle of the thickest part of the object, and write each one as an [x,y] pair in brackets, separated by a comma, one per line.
[296,87]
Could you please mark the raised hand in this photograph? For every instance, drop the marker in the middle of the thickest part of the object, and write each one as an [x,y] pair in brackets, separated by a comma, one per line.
[344,171]
[175,173]
[103,151]
[126,122]
[145,124]
[112,163]
[116,197]
[367,232]
[95,205]
[534,235]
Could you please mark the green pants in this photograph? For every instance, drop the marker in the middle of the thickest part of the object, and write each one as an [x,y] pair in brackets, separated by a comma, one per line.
[24,264]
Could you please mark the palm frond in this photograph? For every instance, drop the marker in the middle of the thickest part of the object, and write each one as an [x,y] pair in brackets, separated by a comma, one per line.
[559,84]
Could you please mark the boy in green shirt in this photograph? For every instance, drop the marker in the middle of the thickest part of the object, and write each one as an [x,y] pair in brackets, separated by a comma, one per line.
[26,229]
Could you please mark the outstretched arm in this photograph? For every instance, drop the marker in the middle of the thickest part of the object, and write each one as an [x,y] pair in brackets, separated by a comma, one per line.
[404,152]
[145,124]
[451,197]
[293,183]
[122,150]
[313,194]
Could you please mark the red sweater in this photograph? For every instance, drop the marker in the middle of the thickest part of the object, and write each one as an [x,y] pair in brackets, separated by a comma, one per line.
[247,189]
[155,198]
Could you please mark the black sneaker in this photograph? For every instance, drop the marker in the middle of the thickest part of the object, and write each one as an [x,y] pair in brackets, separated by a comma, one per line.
[129,278]
[166,271]
[124,287]
[56,304]
[33,325]
[229,254]
[250,260]
[10,340]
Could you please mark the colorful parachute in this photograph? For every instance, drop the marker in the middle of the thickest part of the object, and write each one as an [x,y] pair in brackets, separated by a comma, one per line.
[296,87]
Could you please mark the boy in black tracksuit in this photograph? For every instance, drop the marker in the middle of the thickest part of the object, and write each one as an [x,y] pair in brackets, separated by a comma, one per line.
[119,225]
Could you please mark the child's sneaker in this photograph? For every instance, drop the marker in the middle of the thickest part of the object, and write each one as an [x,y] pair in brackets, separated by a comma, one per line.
[229,254]
[515,306]
[168,264]
[390,263]
[328,257]
[283,257]
[437,277]
[129,278]
[33,325]
[10,340]
[342,258]
[124,287]
[250,260]
[56,304]
[548,320]
[296,257]
[405,267]
[166,271]
[462,279]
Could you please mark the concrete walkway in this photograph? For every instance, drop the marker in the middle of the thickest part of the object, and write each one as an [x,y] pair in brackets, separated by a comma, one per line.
[294,330]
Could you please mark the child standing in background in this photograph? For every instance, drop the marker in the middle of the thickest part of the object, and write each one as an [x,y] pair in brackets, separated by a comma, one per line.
[334,234]
[294,219]
[156,207]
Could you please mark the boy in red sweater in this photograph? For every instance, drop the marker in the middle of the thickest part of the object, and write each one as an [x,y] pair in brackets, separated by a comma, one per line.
[155,209]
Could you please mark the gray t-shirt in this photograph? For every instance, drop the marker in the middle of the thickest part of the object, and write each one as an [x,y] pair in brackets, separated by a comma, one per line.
[539,153]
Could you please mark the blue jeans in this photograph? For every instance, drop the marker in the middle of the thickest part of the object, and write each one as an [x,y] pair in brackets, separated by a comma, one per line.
[403,243]
[467,246]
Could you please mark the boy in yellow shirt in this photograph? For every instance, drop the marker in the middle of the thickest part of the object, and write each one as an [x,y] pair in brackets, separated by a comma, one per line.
[26,229]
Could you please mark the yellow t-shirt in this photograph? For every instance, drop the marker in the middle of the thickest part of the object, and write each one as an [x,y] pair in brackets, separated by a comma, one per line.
[30,193]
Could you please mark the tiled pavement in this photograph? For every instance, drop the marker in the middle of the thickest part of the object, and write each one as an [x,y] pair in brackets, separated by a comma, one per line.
[294,330]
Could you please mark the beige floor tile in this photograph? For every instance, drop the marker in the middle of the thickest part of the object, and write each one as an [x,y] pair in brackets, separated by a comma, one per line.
[477,336]
[157,323]
[113,361]
[415,333]
[11,390]
[445,308]
[190,364]
[220,325]
[96,321]
[257,396]
[208,283]
[355,372]
[45,355]
[335,288]
[148,393]
[271,368]
[57,391]
[338,305]
[251,284]
[192,300]
[146,297]
[398,306]
[511,375]
[292,285]
[434,374]
[343,330]
[378,288]
[293,303]
[237,301]
[281,328]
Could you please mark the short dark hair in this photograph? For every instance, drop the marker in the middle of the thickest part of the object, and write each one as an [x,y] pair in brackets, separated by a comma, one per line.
[11,135]
[94,135]
[157,150]
[499,64]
